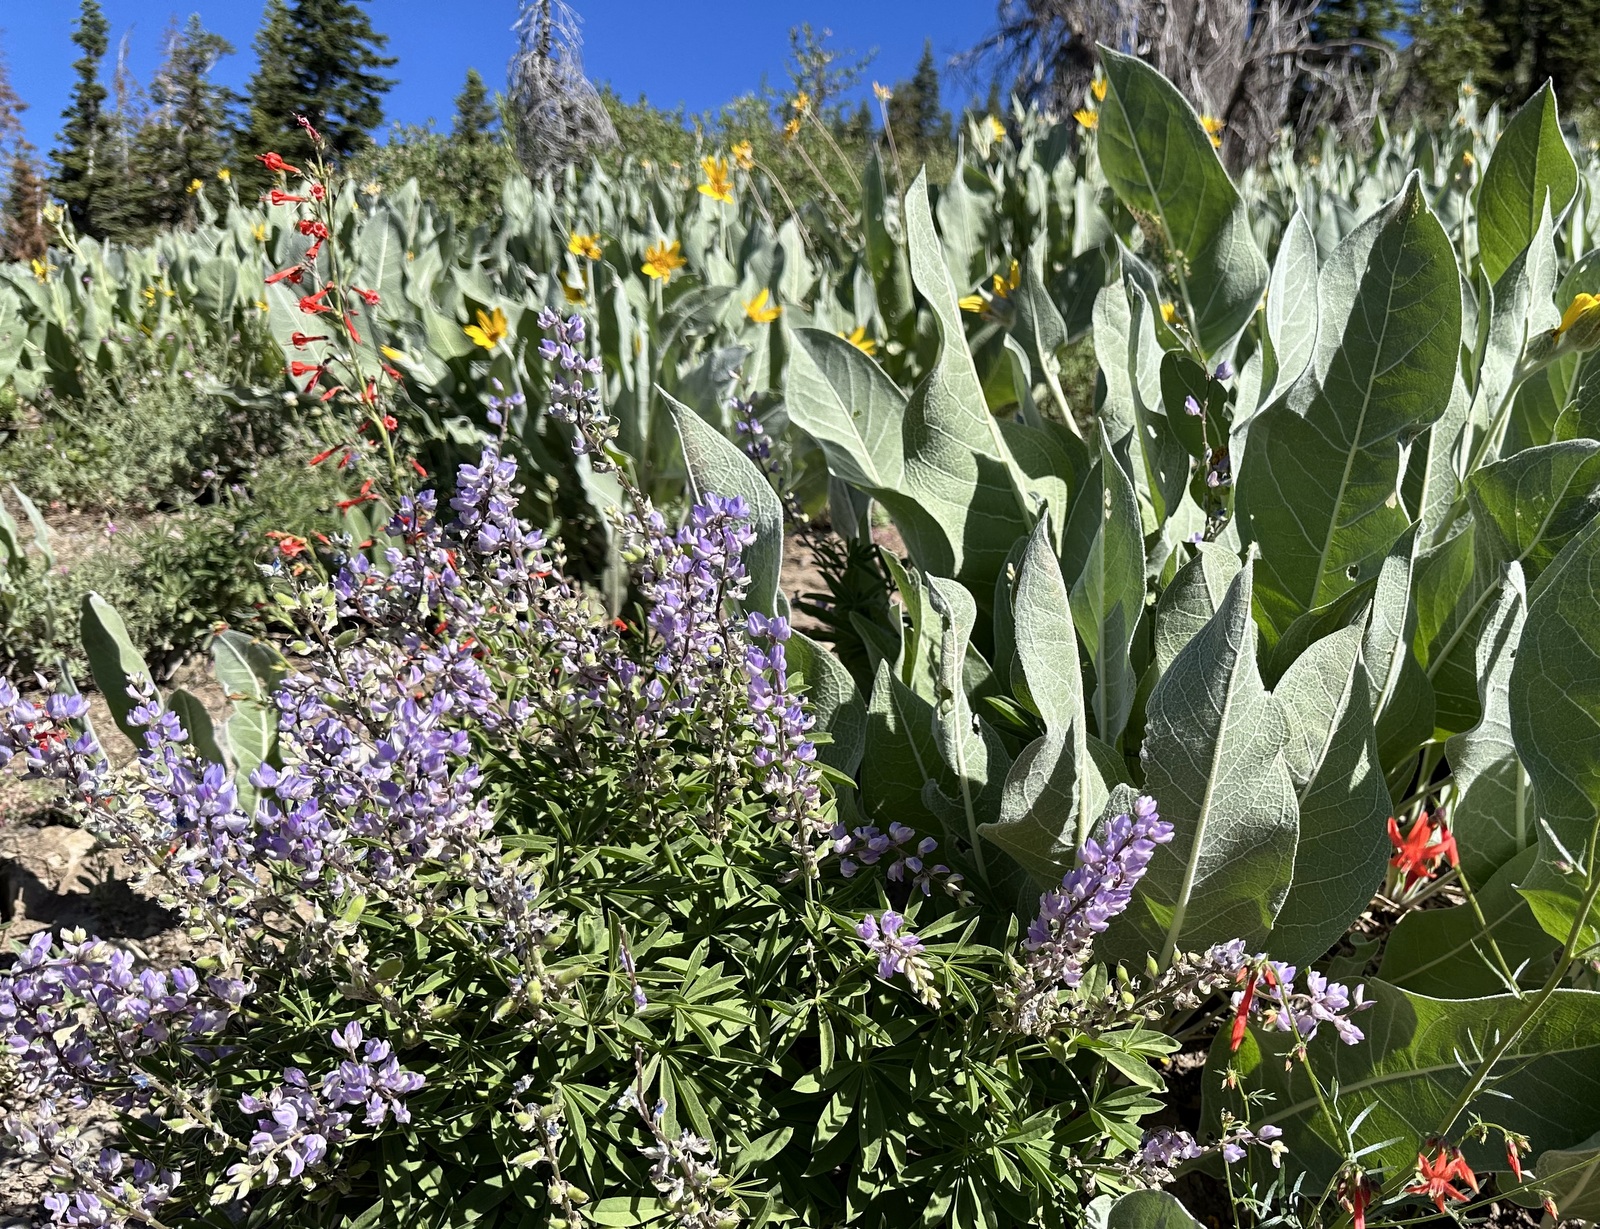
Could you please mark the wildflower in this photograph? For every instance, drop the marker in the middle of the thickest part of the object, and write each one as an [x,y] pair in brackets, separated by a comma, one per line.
[1241,1012]
[194,186]
[859,339]
[898,953]
[369,297]
[791,130]
[258,232]
[801,103]
[293,274]
[1213,127]
[717,185]
[663,259]
[1356,1195]
[1087,118]
[300,341]
[312,304]
[1224,371]
[489,331]
[1436,1178]
[1169,313]
[287,543]
[393,355]
[572,294]
[1098,89]
[758,310]
[1514,1146]
[997,130]
[883,92]
[1003,286]
[1418,854]
[1192,407]
[974,303]
[41,270]
[278,197]
[224,174]
[744,155]
[1580,307]
[276,164]
[585,246]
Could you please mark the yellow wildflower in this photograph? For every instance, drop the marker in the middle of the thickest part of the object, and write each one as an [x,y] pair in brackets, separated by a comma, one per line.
[663,259]
[1089,119]
[1003,286]
[758,310]
[258,232]
[997,130]
[1468,88]
[586,246]
[717,185]
[801,103]
[861,341]
[224,174]
[490,331]
[1213,127]
[1466,157]
[1169,313]
[54,214]
[194,186]
[791,130]
[372,188]
[263,306]
[883,92]
[149,293]
[41,270]
[574,294]
[393,355]
[974,303]
[1098,89]
[1581,307]
[744,156]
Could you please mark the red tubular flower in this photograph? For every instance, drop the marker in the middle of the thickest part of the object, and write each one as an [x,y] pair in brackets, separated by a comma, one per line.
[300,341]
[291,275]
[288,545]
[298,368]
[316,378]
[369,297]
[310,226]
[1360,1196]
[1549,1206]
[1419,852]
[323,456]
[1242,1012]
[312,304]
[1514,1158]
[1436,1178]
[350,327]
[332,393]
[363,496]
[318,192]
[370,394]
[389,423]
[416,465]
[278,197]
[276,164]
[313,251]
[310,131]
[390,371]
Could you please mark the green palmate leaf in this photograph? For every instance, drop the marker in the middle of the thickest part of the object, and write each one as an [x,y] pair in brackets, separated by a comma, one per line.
[1161,164]
[1493,817]
[1104,552]
[1291,315]
[718,466]
[1332,756]
[1053,791]
[113,660]
[1214,762]
[1531,164]
[1554,699]
[1318,488]
[1403,1080]
[1188,603]
[1447,953]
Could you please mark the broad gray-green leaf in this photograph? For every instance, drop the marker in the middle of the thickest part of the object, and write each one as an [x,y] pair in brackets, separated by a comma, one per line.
[1332,756]
[1522,304]
[902,753]
[1104,547]
[1318,488]
[1161,164]
[1149,1210]
[1213,757]
[1572,1178]
[1402,697]
[1493,818]
[250,671]
[1291,315]
[718,466]
[1053,791]
[834,701]
[202,735]
[843,400]
[1531,163]
[1402,1081]
[36,522]
[113,660]
[1555,725]
[1189,601]
[1446,953]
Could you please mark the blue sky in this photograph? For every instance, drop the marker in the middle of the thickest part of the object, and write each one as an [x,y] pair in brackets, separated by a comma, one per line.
[699,52]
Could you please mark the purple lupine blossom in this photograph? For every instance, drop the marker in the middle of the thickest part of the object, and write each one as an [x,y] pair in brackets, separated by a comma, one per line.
[574,400]
[1163,1149]
[867,846]
[1279,1006]
[1192,407]
[753,437]
[110,1193]
[884,940]
[1224,370]
[782,725]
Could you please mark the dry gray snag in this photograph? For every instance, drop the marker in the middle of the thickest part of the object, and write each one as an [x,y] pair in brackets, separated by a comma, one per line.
[556,114]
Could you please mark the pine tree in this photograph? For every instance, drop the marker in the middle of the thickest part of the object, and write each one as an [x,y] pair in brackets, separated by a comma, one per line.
[182,141]
[1452,42]
[321,59]
[475,113]
[919,122]
[1547,39]
[23,235]
[81,177]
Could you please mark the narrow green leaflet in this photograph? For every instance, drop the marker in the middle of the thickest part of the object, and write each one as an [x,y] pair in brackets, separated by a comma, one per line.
[1053,791]
[1214,762]
[1318,488]
[1493,816]
[1531,163]
[1404,1078]
[1446,953]
[1332,757]
[1104,552]
[1160,162]
[717,466]
[1555,725]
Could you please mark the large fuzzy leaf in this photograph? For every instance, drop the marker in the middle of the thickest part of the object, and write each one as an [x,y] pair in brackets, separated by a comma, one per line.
[1291,315]
[113,660]
[1531,164]
[1402,1081]
[1214,762]
[845,402]
[1161,164]
[1332,756]
[1318,488]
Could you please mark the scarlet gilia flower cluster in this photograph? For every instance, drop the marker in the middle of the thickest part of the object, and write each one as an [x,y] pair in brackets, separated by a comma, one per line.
[1419,853]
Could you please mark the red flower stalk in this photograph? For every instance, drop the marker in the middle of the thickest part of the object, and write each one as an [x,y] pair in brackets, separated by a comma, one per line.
[300,341]
[310,226]
[1436,1178]
[365,495]
[279,197]
[1420,851]
[313,304]
[1242,1012]
[350,327]
[330,395]
[275,162]
[291,275]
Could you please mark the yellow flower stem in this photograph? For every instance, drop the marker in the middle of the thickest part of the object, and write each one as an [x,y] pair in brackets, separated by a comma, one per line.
[894,152]
[849,170]
[799,222]
[822,179]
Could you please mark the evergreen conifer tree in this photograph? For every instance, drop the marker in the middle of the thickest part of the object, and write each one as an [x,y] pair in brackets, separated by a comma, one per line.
[475,113]
[82,176]
[182,142]
[914,112]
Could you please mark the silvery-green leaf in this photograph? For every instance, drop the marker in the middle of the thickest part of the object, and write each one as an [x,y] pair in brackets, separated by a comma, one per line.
[1187,604]
[1213,761]
[1402,697]
[843,400]
[202,735]
[1149,1210]
[718,466]
[1531,164]
[1332,756]
[1161,164]
[834,701]
[114,662]
[1318,486]
[1492,819]
[1522,305]
[1401,1082]
[1572,1178]
[1291,315]
[901,754]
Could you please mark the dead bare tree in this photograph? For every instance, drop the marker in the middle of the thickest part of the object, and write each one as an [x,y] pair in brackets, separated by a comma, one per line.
[1254,64]
[557,115]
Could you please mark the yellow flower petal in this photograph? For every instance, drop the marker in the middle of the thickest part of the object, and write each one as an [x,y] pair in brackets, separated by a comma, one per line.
[1580,307]
[490,330]
[1169,313]
[1098,89]
[585,246]
[861,341]
[663,259]
[974,303]
[758,310]
[1089,119]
